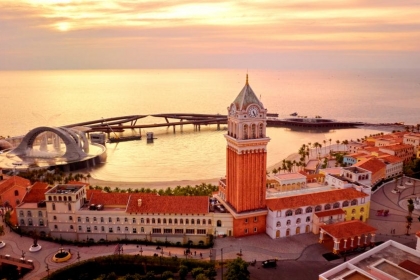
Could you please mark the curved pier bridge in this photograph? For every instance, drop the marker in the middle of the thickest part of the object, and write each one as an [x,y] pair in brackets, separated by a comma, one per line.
[119,124]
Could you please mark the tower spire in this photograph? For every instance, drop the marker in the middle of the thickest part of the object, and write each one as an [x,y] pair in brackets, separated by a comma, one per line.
[246,79]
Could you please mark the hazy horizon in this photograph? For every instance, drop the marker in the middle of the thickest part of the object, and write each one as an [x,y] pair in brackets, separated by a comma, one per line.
[130,34]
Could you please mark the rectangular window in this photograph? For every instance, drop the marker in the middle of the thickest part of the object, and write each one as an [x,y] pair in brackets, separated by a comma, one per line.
[246,231]
[111,229]
[246,220]
[190,231]
[156,230]
[167,230]
[255,219]
[134,230]
[95,228]
[126,220]
[102,228]
[88,229]
[179,230]
[201,231]
[255,229]
[80,228]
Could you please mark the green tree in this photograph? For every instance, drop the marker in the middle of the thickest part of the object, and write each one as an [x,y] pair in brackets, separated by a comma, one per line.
[237,270]
[167,275]
[197,271]
[183,272]
[201,276]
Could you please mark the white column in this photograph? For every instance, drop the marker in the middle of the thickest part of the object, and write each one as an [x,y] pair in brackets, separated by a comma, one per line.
[372,239]
[358,240]
[366,239]
[351,244]
[321,236]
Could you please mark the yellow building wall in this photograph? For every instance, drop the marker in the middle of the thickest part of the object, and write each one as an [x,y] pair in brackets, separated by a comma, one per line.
[357,213]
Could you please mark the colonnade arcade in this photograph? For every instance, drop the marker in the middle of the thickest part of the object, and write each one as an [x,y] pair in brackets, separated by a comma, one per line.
[347,236]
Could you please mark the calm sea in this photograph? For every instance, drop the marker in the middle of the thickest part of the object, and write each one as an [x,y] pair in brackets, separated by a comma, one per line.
[54,98]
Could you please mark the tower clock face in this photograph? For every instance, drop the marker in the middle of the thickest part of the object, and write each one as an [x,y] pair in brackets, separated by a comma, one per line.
[253,111]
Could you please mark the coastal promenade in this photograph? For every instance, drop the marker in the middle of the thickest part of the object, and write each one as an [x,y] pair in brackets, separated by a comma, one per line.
[299,256]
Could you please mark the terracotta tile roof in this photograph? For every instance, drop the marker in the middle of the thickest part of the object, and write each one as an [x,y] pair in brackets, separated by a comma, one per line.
[12,182]
[418,234]
[35,195]
[330,212]
[371,149]
[39,185]
[372,164]
[397,147]
[109,198]
[169,204]
[313,199]
[348,229]
[391,158]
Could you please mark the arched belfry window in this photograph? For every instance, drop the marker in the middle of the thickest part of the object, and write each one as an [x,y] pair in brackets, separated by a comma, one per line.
[253,131]
[261,130]
[245,131]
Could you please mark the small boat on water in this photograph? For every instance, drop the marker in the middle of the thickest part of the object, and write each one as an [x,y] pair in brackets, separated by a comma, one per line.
[123,138]
[294,114]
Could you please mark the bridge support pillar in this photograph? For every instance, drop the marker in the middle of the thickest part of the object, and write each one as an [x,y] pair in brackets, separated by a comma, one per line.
[218,126]
[174,128]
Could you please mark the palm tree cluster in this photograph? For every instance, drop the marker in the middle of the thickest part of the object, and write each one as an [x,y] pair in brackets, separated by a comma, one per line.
[52,176]
[199,190]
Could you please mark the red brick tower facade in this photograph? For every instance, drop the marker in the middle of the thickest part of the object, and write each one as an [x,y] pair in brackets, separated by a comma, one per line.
[246,163]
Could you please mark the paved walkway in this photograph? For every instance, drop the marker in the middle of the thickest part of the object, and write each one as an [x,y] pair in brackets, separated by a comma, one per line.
[290,251]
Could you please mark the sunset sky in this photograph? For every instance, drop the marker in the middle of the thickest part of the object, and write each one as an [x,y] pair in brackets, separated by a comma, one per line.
[283,34]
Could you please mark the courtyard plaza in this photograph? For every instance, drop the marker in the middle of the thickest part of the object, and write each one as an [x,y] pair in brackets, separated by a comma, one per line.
[298,256]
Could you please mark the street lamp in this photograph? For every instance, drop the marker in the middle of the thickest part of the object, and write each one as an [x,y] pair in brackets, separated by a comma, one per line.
[141,251]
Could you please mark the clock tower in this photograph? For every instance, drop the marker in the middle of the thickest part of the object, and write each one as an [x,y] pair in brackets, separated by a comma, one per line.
[244,191]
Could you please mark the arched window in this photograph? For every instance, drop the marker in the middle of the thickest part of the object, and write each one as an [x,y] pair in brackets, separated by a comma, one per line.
[118,228]
[29,222]
[126,228]
[102,219]
[298,211]
[336,205]
[69,198]
[147,221]
[176,221]
[346,203]
[253,131]
[170,221]
[309,209]
[289,213]
[16,193]
[261,130]
[187,221]
[181,221]
[308,219]
[219,223]
[21,213]
[327,207]
[353,211]
[246,131]
[49,198]
[69,206]
[65,198]
[87,219]
[54,218]
[362,210]
[164,221]
[198,221]
[142,229]
[60,198]
[71,227]
[209,222]
[134,220]
[41,222]
[22,222]
[354,202]
[142,220]
[288,222]
[204,221]
[318,208]
[153,220]
[53,206]
[192,221]
[158,220]
[278,224]
[298,221]
[39,213]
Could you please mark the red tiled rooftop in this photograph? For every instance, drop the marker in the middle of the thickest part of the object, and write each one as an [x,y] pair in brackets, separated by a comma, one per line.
[330,212]
[397,147]
[372,164]
[391,158]
[348,229]
[36,193]
[109,198]
[169,204]
[12,182]
[313,199]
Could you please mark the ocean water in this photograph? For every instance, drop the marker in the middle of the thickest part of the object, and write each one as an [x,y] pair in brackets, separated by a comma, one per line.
[36,98]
